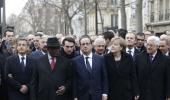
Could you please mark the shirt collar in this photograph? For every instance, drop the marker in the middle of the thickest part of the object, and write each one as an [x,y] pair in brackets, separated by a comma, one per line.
[167,53]
[21,56]
[132,50]
[90,55]
[154,54]
[49,56]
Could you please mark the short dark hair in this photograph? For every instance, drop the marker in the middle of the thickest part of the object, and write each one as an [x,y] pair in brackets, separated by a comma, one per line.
[8,30]
[140,34]
[85,36]
[122,33]
[69,39]
[108,35]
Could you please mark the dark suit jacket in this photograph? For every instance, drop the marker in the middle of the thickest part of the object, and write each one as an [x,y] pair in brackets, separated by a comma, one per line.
[122,77]
[85,84]
[46,81]
[154,77]
[16,76]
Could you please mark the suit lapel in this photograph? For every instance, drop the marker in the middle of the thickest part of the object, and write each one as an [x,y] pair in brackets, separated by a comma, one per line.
[82,63]
[155,62]
[17,61]
[47,63]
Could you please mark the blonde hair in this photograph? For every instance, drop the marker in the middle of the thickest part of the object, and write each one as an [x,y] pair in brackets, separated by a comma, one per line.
[121,41]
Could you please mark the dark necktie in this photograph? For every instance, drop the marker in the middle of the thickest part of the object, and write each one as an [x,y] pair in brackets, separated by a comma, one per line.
[52,63]
[22,63]
[130,52]
[88,65]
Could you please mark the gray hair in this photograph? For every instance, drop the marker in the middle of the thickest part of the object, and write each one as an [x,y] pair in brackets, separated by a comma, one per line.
[155,39]
[99,39]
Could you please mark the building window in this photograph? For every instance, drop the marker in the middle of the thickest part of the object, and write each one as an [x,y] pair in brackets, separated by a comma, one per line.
[114,2]
[114,20]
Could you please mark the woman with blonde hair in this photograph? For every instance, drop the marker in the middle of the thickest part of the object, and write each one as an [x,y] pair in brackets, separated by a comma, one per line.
[122,80]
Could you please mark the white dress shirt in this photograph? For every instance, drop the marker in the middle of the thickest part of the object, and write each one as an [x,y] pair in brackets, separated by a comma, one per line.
[50,58]
[132,51]
[21,59]
[89,59]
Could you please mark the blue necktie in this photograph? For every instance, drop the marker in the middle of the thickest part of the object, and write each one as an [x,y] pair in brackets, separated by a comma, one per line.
[22,63]
[88,65]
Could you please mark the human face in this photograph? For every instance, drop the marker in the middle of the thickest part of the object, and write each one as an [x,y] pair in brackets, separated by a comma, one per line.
[163,47]
[68,47]
[22,47]
[53,51]
[37,42]
[147,34]
[130,40]
[151,47]
[116,48]
[86,46]
[140,40]
[43,44]
[100,47]
[10,36]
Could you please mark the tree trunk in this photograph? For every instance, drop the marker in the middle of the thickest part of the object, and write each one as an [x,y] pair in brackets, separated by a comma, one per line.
[123,14]
[139,20]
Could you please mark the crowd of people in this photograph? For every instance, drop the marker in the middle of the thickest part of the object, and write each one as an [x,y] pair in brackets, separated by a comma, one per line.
[122,66]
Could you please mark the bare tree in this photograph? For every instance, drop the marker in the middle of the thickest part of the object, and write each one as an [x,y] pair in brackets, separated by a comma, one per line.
[139,20]
[123,14]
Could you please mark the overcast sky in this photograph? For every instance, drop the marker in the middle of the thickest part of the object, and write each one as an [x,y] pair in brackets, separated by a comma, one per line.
[14,6]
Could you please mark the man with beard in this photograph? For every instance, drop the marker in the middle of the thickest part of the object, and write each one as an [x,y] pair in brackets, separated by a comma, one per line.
[53,75]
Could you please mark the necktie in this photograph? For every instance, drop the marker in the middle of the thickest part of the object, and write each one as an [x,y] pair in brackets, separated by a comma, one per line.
[130,52]
[88,65]
[151,58]
[22,63]
[52,63]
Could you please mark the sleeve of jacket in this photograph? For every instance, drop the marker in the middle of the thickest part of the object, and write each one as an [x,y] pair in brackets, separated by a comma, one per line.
[11,81]
[34,84]
[74,80]
[69,73]
[104,77]
[133,77]
[167,77]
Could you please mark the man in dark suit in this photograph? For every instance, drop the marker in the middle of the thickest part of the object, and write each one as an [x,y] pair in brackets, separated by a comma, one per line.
[140,41]
[19,70]
[90,78]
[43,49]
[68,49]
[130,42]
[53,75]
[164,47]
[153,72]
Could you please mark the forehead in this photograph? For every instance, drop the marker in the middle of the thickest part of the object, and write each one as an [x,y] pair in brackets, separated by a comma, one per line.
[162,42]
[9,33]
[140,36]
[151,42]
[85,40]
[68,43]
[22,42]
[130,35]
